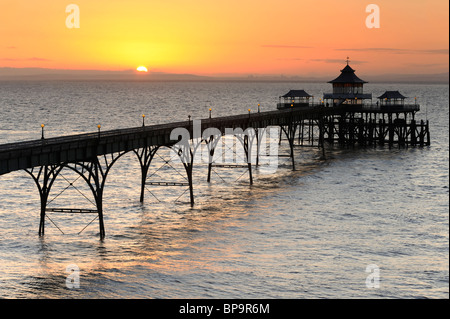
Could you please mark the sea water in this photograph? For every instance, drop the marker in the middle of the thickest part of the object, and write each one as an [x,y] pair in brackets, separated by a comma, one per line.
[322,231]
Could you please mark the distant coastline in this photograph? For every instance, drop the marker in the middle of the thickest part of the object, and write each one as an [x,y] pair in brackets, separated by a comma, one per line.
[40,74]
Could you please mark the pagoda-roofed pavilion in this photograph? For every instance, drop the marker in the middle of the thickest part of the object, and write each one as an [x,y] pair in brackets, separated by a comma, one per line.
[294,98]
[392,98]
[347,88]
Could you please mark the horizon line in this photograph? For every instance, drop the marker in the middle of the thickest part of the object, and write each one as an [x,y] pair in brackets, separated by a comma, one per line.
[49,74]
[157,72]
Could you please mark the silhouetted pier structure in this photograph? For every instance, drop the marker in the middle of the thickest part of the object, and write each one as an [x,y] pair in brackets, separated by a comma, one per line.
[348,121]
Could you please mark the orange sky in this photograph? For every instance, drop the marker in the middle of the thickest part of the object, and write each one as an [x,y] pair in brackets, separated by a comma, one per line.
[298,37]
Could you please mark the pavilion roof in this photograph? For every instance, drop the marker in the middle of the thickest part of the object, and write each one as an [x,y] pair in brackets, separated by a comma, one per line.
[392,95]
[347,76]
[297,93]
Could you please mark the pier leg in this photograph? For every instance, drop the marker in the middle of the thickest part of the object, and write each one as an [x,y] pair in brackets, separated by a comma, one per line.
[208,179]
[341,131]
[302,131]
[42,216]
[94,174]
[381,131]
[279,140]
[257,131]
[391,132]
[44,180]
[188,167]
[422,134]
[249,160]
[186,155]
[95,178]
[145,157]
[331,130]
[361,137]
[259,134]
[352,130]
[371,130]
[413,132]
[322,130]
[291,145]
[246,139]
[309,132]
[98,178]
[290,134]
[211,149]
[184,152]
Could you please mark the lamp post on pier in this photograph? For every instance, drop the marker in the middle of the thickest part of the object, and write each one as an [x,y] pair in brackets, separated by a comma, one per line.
[42,131]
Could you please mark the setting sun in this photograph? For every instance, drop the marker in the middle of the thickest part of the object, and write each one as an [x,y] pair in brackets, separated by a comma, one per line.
[142,68]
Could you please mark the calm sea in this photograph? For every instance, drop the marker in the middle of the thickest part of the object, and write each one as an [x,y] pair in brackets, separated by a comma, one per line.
[309,233]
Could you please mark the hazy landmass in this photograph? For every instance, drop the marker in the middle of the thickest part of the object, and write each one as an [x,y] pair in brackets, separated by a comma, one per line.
[40,74]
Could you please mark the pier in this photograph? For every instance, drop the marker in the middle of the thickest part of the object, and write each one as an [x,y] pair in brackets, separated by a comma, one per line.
[343,118]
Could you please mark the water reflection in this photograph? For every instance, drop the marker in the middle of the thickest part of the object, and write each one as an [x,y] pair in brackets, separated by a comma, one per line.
[308,233]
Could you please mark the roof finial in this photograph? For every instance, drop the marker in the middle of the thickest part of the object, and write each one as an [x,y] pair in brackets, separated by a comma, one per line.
[347,60]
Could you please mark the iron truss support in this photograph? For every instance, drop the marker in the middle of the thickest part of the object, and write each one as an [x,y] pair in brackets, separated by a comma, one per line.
[44,177]
[246,139]
[247,145]
[146,155]
[186,153]
[94,173]
[259,132]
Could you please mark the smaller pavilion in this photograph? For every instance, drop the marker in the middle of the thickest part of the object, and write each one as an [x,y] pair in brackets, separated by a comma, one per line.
[391,98]
[294,98]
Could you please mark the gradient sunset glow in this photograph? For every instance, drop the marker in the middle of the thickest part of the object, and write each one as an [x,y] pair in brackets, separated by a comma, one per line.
[226,37]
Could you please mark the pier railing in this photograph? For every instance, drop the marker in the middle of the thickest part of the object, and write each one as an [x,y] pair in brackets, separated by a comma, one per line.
[385,108]
[371,107]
